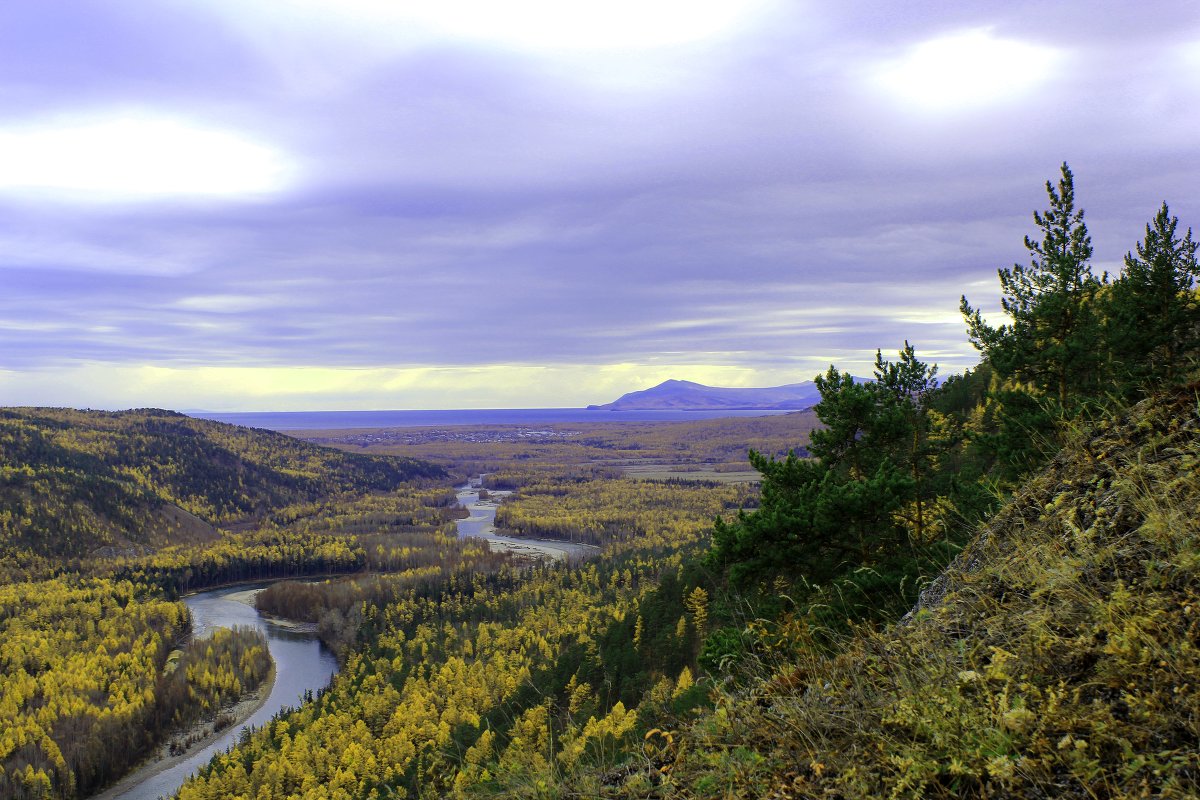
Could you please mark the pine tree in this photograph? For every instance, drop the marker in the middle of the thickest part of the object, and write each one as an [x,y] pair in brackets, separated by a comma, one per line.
[1051,341]
[847,410]
[846,506]
[1152,309]
[904,386]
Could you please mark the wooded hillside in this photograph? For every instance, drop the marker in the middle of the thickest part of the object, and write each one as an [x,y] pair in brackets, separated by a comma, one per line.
[72,482]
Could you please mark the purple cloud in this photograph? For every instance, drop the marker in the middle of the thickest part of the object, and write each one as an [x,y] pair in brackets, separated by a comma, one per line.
[757,199]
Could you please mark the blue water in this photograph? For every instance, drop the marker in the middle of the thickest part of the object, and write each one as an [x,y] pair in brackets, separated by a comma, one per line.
[302,664]
[332,420]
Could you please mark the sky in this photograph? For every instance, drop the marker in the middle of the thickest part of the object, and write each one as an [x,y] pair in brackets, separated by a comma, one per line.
[371,204]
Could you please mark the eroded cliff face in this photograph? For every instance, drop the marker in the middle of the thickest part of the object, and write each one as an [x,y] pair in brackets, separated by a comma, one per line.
[1059,656]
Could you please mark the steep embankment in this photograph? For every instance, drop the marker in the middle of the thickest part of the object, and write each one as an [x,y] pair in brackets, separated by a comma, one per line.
[1058,657]
[74,483]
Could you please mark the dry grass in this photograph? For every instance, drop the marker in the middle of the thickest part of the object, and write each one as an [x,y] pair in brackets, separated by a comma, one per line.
[1058,657]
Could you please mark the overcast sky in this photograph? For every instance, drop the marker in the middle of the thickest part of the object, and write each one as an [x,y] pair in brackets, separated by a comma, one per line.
[341,204]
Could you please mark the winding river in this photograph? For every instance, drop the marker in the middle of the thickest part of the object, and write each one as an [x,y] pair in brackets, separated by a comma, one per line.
[482,524]
[302,664]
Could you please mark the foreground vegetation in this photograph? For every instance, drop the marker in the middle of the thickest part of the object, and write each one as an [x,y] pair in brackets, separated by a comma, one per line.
[1057,658]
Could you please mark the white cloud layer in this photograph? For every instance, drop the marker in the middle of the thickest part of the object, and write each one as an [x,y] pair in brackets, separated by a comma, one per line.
[317,204]
[539,25]
[134,157]
[967,69]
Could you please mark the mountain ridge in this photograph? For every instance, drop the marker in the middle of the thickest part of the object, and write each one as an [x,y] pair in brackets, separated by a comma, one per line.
[691,396]
[99,482]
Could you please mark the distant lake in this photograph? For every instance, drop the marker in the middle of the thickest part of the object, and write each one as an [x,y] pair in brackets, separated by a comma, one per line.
[333,420]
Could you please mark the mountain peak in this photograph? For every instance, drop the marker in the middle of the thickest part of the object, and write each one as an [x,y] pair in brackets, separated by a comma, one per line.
[683,395]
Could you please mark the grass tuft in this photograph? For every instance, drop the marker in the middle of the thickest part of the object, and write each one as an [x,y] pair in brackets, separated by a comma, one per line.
[1058,657]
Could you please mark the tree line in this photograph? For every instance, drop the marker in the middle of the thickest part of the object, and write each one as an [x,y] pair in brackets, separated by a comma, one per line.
[904,466]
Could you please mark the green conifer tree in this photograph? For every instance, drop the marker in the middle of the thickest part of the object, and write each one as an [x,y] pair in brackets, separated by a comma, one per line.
[1153,317]
[1051,341]
[839,510]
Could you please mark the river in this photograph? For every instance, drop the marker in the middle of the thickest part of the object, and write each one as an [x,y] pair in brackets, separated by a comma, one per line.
[482,524]
[302,664]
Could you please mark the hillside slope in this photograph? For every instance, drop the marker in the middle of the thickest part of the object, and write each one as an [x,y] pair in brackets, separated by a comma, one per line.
[77,483]
[1059,656]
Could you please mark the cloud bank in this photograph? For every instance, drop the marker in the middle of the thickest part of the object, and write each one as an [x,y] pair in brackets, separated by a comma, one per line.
[233,206]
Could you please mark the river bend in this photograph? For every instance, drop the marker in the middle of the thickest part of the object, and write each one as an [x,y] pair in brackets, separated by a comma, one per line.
[302,664]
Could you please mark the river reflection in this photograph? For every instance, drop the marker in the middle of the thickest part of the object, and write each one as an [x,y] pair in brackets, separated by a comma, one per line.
[302,664]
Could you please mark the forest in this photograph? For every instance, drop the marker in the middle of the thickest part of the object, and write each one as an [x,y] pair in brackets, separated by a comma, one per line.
[106,518]
[983,586]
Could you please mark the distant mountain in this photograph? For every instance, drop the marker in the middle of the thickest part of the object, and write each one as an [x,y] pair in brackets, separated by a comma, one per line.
[689,396]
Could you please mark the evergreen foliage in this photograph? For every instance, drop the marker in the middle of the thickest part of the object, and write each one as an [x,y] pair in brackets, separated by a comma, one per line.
[1056,658]
[867,494]
[1051,341]
[1076,343]
[1153,314]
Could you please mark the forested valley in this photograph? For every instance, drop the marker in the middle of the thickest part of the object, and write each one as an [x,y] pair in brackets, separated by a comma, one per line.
[106,518]
[984,586]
